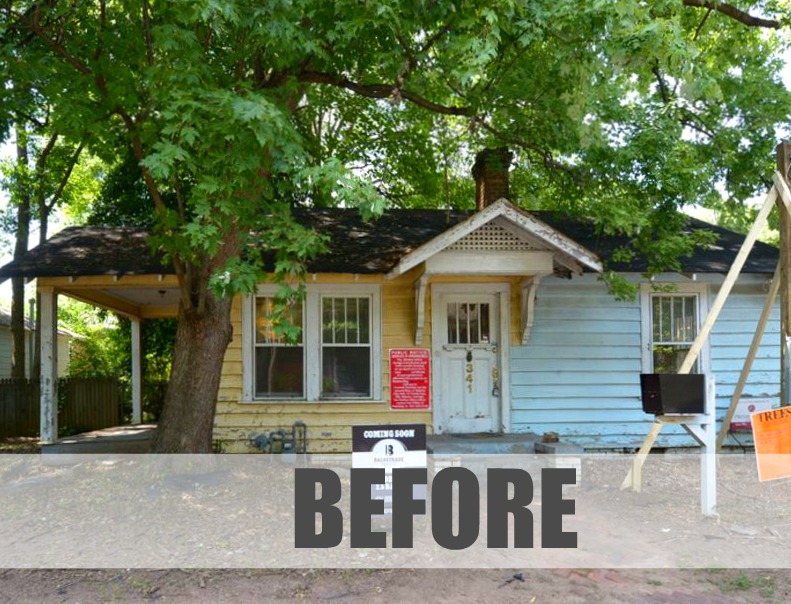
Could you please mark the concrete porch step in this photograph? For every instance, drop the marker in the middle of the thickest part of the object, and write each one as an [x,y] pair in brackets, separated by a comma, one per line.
[482,444]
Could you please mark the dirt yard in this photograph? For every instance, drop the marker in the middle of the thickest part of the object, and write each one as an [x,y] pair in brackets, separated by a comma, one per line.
[570,586]
[533,587]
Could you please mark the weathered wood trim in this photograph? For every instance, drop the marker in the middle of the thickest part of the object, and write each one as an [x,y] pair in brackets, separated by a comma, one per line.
[505,358]
[247,347]
[501,208]
[99,281]
[529,289]
[49,365]
[104,300]
[496,263]
[420,308]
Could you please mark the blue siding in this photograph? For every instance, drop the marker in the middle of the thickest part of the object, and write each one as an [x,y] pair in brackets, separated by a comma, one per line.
[730,341]
[579,373]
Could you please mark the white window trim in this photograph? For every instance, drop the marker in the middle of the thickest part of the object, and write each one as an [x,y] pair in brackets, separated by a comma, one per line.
[682,289]
[311,341]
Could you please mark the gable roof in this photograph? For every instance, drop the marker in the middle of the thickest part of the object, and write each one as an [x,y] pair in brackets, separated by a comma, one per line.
[356,246]
[526,222]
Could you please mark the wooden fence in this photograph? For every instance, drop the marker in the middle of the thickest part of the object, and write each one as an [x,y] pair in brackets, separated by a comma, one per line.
[84,404]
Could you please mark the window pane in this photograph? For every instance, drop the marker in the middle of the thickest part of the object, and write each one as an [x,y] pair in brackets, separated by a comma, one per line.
[668,359]
[279,371]
[265,320]
[453,332]
[346,371]
[473,324]
[339,320]
[656,317]
[485,335]
[326,321]
[352,320]
[666,333]
[463,318]
[690,318]
[364,318]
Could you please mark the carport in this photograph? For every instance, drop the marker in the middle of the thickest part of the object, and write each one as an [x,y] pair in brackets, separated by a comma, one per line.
[113,269]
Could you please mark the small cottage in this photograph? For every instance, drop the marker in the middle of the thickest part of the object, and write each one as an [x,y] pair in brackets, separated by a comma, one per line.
[519,334]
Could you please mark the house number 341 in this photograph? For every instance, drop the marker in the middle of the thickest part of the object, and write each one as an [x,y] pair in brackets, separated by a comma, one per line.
[468,377]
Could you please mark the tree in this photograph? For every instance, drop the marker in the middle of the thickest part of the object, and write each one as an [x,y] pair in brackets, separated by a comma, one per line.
[37,180]
[622,111]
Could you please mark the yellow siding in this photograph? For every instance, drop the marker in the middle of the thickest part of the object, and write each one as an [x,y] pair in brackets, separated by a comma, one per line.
[329,423]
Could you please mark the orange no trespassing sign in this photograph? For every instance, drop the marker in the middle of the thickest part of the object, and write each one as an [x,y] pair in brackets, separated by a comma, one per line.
[772,437]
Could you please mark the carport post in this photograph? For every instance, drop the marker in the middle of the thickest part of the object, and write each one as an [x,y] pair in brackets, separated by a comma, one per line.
[137,372]
[49,365]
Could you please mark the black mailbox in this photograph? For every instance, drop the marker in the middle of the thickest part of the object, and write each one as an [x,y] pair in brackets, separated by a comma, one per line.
[673,393]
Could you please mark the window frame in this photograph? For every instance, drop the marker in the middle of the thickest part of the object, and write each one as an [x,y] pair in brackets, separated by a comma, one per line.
[255,344]
[701,293]
[312,341]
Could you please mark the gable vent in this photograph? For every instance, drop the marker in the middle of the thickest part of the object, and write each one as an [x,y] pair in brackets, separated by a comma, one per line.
[492,237]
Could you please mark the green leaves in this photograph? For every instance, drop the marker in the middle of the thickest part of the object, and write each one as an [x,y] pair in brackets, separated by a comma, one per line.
[620,111]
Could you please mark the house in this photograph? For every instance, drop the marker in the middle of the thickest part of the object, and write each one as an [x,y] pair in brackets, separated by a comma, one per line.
[521,334]
[7,345]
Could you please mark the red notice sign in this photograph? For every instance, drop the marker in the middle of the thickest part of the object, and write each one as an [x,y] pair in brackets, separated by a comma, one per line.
[410,378]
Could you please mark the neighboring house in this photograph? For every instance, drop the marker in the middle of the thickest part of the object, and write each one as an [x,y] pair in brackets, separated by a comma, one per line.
[7,345]
[522,335]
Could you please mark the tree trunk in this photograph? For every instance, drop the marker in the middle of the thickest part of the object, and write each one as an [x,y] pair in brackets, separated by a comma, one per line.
[20,248]
[187,417]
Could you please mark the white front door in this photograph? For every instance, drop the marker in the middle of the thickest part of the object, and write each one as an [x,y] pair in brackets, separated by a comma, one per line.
[466,332]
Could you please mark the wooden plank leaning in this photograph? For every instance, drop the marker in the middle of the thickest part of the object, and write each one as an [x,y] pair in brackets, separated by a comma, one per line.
[748,362]
[634,476]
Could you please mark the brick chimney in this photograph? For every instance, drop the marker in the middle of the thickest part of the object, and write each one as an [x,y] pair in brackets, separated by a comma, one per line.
[491,176]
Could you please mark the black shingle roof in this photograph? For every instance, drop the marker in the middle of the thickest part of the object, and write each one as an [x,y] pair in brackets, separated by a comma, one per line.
[354,246]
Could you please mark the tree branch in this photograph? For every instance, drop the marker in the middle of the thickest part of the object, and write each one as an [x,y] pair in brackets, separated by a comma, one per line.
[380,91]
[35,25]
[547,160]
[734,13]
[147,33]
[701,24]
[41,162]
[662,84]
[66,175]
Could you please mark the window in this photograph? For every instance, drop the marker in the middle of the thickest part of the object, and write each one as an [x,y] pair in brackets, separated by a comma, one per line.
[670,325]
[279,367]
[345,347]
[335,357]
[468,323]
[674,325]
